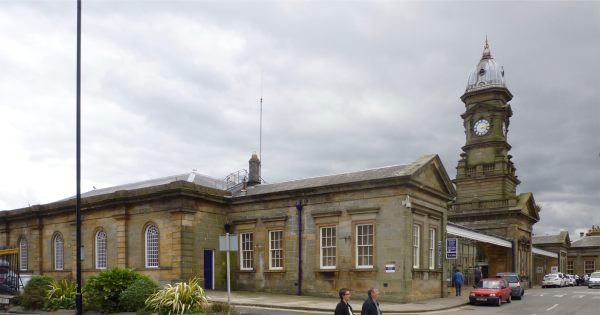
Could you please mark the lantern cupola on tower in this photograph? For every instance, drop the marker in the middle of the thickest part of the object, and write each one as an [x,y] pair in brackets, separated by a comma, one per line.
[487,73]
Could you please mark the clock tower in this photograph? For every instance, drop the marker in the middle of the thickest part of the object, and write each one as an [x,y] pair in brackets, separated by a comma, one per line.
[486,180]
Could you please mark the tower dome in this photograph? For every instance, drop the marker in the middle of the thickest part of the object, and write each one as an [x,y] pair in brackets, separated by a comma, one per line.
[487,73]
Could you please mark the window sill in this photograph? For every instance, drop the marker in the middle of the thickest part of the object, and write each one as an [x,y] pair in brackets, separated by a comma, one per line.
[327,272]
[274,271]
[364,269]
[247,271]
[153,268]
[427,270]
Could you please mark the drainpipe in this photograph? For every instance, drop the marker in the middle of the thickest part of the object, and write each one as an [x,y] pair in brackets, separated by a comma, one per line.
[299,208]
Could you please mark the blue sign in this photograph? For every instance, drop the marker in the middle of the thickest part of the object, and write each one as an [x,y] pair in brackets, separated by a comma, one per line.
[451,248]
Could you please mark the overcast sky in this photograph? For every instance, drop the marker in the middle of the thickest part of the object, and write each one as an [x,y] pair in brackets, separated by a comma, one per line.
[171,86]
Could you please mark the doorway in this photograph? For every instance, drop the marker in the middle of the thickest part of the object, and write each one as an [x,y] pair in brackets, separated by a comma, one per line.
[209,269]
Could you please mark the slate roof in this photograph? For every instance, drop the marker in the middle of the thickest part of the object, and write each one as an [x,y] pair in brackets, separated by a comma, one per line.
[561,238]
[546,239]
[587,241]
[345,178]
[386,172]
[191,177]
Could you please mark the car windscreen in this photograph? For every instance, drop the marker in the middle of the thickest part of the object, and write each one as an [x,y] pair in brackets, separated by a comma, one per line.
[511,279]
[550,277]
[489,284]
[595,275]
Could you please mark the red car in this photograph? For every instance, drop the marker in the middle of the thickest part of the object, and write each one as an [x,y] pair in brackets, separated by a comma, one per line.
[491,290]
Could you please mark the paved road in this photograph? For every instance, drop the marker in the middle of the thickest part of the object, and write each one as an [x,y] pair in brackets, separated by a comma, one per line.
[553,301]
[559,301]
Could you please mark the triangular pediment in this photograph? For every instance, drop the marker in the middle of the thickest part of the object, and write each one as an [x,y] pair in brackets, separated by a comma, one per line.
[432,174]
[528,206]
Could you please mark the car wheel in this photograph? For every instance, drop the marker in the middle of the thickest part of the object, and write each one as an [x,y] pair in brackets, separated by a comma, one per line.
[543,287]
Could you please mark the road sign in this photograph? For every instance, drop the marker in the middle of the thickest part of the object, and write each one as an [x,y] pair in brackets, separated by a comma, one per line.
[233,243]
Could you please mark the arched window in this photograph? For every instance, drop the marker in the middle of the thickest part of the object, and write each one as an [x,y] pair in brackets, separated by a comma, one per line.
[151,246]
[58,246]
[101,250]
[23,254]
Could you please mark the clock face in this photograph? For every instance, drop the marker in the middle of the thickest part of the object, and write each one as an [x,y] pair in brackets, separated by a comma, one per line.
[481,127]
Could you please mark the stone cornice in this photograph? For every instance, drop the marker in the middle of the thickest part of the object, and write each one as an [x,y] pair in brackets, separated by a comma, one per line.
[322,214]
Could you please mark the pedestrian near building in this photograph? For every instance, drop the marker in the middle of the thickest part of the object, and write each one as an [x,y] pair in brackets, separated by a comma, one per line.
[371,306]
[457,280]
[344,308]
[477,275]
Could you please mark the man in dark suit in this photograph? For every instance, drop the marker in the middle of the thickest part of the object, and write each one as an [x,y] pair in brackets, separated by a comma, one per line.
[371,306]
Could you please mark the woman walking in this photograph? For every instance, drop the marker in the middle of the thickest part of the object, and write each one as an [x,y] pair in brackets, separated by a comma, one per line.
[344,308]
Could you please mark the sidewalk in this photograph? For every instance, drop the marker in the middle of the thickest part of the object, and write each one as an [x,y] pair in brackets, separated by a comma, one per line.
[327,304]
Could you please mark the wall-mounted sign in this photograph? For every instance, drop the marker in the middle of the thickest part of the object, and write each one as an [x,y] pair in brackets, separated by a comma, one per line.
[390,268]
[539,269]
[451,248]
[439,252]
[554,269]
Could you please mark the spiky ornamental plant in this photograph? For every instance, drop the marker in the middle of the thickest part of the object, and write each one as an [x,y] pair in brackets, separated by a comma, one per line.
[61,295]
[181,298]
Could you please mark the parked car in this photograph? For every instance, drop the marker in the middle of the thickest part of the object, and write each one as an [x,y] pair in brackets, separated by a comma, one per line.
[492,291]
[594,280]
[552,280]
[514,282]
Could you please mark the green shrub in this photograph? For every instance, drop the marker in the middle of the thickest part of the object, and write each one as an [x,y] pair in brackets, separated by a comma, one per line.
[103,291]
[61,295]
[34,293]
[134,297]
[182,298]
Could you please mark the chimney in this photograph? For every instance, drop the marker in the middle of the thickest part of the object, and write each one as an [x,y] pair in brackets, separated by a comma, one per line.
[254,170]
[581,234]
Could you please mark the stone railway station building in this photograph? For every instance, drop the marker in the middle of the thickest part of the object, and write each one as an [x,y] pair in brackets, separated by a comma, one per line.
[384,227]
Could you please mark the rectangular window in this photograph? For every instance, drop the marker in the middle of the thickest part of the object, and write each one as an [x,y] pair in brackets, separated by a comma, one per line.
[570,267]
[328,247]
[364,246]
[247,254]
[416,245]
[276,250]
[589,266]
[431,248]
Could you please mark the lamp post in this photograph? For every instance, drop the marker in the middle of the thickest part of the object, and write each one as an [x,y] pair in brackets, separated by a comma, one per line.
[78,298]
